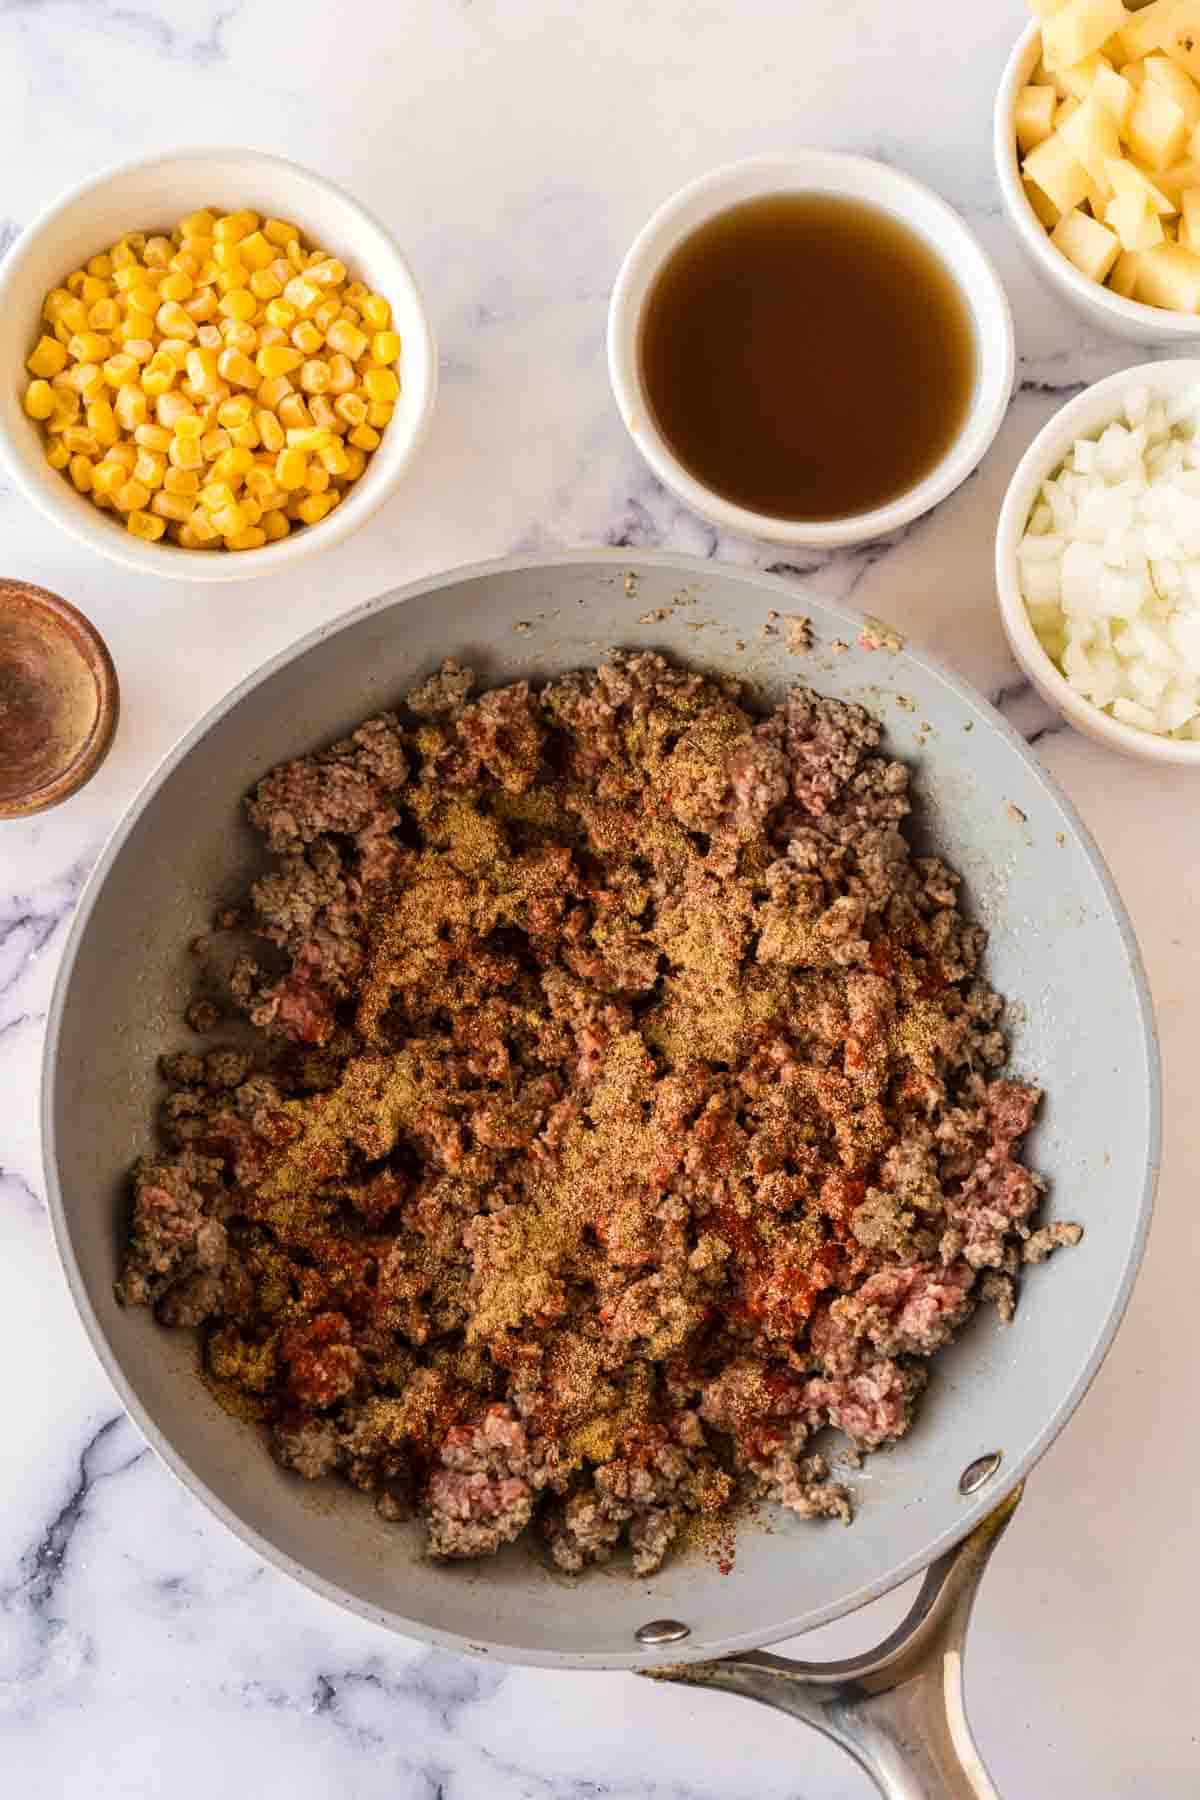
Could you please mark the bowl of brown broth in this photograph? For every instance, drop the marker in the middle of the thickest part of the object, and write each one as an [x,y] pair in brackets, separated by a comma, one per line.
[810,349]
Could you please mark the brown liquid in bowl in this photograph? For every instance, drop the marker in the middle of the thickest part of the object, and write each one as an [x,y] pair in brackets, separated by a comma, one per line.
[58,699]
[807,356]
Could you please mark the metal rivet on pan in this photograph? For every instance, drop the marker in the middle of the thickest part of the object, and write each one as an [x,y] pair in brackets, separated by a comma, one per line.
[662,1631]
[979,1471]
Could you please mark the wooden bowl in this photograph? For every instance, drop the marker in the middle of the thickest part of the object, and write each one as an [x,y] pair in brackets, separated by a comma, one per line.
[59,699]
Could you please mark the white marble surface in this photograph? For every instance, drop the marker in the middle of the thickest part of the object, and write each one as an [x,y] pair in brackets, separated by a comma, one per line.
[515,147]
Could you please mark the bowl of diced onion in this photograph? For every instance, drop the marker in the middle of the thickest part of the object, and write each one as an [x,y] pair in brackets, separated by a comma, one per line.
[262,411]
[1098,561]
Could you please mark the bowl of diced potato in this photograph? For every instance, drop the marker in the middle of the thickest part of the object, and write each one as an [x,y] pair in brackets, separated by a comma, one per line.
[1097,143]
[217,362]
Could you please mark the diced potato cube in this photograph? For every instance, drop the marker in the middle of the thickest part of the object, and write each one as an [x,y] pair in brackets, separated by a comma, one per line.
[1135,222]
[1179,176]
[1092,134]
[1080,78]
[1127,178]
[1189,224]
[1059,173]
[1078,28]
[1181,36]
[1175,81]
[1045,209]
[1114,94]
[1169,276]
[1145,30]
[1033,116]
[1123,279]
[1156,129]
[1092,247]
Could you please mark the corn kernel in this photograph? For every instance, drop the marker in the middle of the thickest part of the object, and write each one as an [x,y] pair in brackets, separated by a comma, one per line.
[141,349]
[233,227]
[326,313]
[313,508]
[295,255]
[173,321]
[259,481]
[238,303]
[379,413]
[231,465]
[91,290]
[132,496]
[245,436]
[89,347]
[308,437]
[157,377]
[172,506]
[100,265]
[169,408]
[102,423]
[176,352]
[202,306]
[150,469]
[47,358]
[80,438]
[123,453]
[324,415]
[280,314]
[252,538]
[381,384]
[176,286]
[145,525]
[184,262]
[352,408]
[198,224]
[306,337]
[257,251]
[191,425]
[276,525]
[108,475]
[229,520]
[74,318]
[131,408]
[334,458]
[39,400]
[236,367]
[152,437]
[181,481]
[278,231]
[278,359]
[215,443]
[235,412]
[314,376]
[215,494]
[273,390]
[375,309]
[57,454]
[67,404]
[157,252]
[351,314]
[250,508]
[316,478]
[124,280]
[303,295]
[365,436]
[347,338]
[140,325]
[326,273]
[120,370]
[385,346]
[270,431]
[293,412]
[208,337]
[81,469]
[291,468]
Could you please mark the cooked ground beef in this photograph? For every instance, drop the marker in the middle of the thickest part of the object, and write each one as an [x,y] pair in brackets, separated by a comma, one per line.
[627,1110]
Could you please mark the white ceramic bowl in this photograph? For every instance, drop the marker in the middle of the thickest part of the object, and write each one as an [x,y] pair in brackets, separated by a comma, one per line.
[822,172]
[1098,305]
[154,193]
[1085,416]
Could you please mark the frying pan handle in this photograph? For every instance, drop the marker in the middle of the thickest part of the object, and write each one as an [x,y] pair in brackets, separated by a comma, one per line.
[899,1708]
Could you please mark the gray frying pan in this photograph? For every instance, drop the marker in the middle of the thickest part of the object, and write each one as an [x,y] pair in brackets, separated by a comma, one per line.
[1060,948]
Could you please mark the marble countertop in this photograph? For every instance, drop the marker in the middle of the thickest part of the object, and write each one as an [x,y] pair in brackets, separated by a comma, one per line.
[515,148]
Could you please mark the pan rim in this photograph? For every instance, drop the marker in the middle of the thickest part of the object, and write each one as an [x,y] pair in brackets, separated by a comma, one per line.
[688,568]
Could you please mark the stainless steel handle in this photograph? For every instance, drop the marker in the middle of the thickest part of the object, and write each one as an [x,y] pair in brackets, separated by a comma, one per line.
[899,1708]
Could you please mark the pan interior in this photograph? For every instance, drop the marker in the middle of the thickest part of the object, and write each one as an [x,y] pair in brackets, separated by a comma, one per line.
[1059,949]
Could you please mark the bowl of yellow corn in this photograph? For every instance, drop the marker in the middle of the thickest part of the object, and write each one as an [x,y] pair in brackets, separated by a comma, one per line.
[212,352]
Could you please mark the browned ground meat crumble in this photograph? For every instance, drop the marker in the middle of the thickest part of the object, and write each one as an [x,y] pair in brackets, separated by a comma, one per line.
[625,1109]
